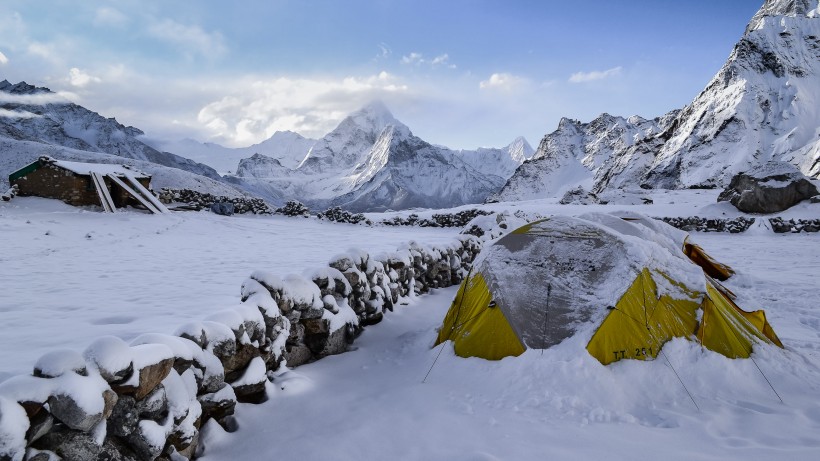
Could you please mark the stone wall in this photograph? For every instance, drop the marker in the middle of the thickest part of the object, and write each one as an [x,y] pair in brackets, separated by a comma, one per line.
[780,225]
[696,223]
[148,399]
[199,200]
[51,181]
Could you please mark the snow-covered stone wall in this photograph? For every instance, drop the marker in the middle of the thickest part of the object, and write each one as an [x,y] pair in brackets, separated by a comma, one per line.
[147,400]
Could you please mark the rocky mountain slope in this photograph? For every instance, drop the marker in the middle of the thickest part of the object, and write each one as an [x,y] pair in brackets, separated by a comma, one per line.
[371,162]
[35,121]
[763,104]
[37,114]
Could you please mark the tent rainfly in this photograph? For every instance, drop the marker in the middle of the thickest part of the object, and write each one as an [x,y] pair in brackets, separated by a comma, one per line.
[80,184]
[632,281]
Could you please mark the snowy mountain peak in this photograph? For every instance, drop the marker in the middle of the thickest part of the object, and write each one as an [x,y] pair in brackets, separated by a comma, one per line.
[520,149]
[22,88]
[792,8]
[375,116]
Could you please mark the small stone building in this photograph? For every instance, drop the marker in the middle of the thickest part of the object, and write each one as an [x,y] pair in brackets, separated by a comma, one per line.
[78,183]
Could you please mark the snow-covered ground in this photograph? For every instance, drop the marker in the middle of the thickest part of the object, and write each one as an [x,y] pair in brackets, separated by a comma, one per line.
[69,276]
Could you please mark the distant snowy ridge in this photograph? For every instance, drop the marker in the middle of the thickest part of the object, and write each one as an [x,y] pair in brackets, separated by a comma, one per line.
[286,147]
[58,122]
[763,104]
[372,162]
[15,154]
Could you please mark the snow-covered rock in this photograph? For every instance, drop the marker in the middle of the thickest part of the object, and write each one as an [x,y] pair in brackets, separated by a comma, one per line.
[768,188]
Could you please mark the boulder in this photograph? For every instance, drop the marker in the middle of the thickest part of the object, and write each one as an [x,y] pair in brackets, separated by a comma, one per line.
[768,188]
[321,340]
[72,408]
[111,356]
[56,363]
[124,418]
[298,354]
[71,445]
[218,405]
[223,208]
[152,363]
[250,387]
[39,425]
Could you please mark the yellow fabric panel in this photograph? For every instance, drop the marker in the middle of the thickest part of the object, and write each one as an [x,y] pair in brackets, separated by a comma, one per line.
[725,329]
[709,265]
[476,329]
[758,320]
[641,323]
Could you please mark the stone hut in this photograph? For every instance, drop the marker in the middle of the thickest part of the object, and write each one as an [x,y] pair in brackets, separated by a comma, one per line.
[111,186]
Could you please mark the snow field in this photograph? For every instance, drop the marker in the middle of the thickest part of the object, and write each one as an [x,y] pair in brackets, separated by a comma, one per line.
[71,276]
[561,403]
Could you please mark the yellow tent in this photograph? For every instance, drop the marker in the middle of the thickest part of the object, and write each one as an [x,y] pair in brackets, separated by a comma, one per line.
[634,281]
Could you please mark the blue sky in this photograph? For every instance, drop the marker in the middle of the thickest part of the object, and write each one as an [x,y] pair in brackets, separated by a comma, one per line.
[458,73]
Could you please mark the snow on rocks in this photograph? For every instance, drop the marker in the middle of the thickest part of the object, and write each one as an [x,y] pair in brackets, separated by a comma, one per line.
[768,188]
[780,225]
[13,427]
[696,223]
[59,362]
[198,200]
[150,399]
[11,193]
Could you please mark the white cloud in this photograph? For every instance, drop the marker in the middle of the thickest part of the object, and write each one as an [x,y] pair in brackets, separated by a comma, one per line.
[442,60]
[42,50]
[17,114]
[501,81]
[417,59]
[413,58]
[311,107]
[34,99]
[384,51]
[582,77]
[190,38]
[81,78]
[3,58]
[109,17]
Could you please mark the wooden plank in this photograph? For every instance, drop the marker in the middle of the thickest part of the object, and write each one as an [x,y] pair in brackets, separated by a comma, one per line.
[102,191]
[147,193]
[134,194]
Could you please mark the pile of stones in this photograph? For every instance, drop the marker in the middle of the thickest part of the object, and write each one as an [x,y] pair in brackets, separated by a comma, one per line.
[459,219]
[696,223]
[10,194]
[780,225]
[199,200]
[336,214]
[294,208]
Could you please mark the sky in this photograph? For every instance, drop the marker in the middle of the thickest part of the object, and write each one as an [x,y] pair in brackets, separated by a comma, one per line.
[460,73]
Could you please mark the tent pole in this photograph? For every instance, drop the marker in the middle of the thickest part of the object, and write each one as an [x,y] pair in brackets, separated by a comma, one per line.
[458,312]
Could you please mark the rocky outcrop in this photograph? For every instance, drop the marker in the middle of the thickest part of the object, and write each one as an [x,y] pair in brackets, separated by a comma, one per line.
[768,188]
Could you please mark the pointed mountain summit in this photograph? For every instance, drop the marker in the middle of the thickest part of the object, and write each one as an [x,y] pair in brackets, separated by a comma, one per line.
[371,161]
[348,143]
